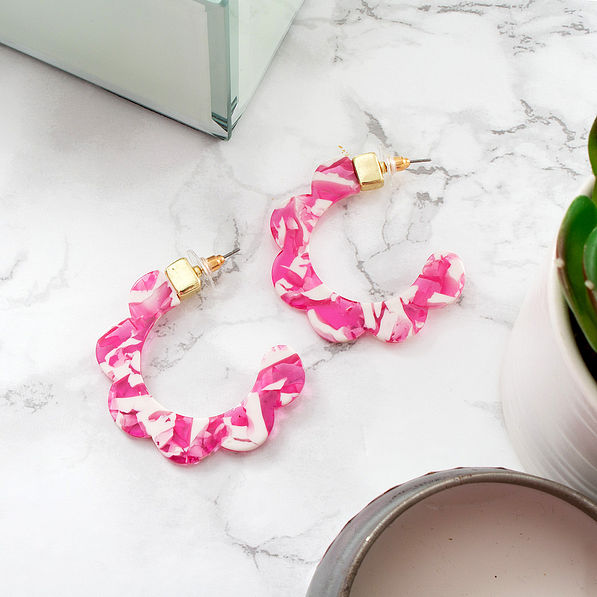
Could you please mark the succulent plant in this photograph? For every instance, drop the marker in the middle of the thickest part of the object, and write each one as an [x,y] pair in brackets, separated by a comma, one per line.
[576,255]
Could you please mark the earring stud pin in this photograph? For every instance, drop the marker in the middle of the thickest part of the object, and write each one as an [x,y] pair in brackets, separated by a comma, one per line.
[187,273]
[370,170]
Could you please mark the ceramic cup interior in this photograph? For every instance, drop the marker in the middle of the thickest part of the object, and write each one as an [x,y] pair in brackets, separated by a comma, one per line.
[483,539]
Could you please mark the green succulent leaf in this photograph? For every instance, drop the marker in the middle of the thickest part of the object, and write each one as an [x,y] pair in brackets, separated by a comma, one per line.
[593,149]
[577,226]
[590,267]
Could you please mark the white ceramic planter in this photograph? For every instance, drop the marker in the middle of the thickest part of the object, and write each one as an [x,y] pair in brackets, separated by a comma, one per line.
[549,397]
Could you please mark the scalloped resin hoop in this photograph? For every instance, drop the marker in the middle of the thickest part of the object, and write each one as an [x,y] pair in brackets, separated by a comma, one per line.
[183,439]
[334,317]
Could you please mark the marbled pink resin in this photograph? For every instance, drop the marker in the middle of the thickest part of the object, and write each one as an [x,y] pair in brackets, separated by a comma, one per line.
[334,317]
[183,439]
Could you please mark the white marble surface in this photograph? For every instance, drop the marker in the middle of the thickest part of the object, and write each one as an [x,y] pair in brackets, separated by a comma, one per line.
[96,191]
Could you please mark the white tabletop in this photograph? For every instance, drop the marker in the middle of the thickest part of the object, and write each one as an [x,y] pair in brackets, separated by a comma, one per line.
[96,191]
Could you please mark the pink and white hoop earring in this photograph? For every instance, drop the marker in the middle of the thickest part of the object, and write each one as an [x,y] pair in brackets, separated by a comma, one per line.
[183,439]
[334,317]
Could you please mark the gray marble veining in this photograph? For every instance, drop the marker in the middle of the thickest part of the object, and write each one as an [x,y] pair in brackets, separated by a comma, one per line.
[96,191]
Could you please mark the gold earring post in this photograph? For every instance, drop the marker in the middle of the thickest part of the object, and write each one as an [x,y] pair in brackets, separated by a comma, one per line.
[186,278]
[215,262]
[370,170]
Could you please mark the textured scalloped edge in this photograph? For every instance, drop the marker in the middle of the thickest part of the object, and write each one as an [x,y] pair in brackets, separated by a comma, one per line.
[332,316]
[183,439]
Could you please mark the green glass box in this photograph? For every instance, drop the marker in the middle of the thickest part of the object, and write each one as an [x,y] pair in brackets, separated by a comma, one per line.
[197,61]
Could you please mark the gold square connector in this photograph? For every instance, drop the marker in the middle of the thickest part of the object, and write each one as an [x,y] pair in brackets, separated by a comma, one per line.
[368,171]
[183,277]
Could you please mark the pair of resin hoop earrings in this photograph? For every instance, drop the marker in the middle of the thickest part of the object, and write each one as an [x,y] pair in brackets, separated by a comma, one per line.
[188,440]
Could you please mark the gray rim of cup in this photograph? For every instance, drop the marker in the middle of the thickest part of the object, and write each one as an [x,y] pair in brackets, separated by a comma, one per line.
[336,572]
